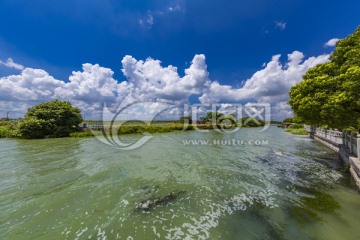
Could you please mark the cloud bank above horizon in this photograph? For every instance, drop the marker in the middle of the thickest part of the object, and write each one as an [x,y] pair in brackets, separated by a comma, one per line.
[149,81]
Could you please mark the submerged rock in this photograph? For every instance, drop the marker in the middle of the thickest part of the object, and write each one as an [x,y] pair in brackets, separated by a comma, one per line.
[279,153]
[150,203]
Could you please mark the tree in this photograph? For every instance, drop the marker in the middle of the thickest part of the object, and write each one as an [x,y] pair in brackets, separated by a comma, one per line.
[251,122]
[329,95]
[288,120]
[213,117]
[230,119]
[54,119]
[185,119]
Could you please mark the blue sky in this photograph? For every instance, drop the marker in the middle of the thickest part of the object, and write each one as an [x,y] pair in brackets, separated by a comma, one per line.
[236,37]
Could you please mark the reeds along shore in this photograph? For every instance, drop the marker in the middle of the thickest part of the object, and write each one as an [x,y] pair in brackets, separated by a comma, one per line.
[9,128]
[145,129]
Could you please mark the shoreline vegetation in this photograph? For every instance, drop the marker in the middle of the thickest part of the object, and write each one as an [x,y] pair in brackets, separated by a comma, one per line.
[10,128]
[169,127]
[296,129]
[60,119]
[328,95]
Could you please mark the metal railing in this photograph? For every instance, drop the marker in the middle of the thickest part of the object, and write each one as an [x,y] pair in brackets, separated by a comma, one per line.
[349,140]
[352,142]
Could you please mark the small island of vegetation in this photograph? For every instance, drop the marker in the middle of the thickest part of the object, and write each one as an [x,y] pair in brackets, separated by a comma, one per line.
[60,119]
[49,119]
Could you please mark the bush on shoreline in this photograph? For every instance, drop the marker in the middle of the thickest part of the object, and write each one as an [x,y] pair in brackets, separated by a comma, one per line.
[9,128]
[50,119]
[139,129]
[296,129]
[251,122]
[81,134]
[5,132]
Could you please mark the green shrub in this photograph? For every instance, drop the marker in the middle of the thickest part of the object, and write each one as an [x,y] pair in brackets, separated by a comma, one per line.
[54,119]
[251,122]
[130,129]
[296,131]
[288,120]
[5,132]
[81,134]
[296,126]
[153,129]
[35,128]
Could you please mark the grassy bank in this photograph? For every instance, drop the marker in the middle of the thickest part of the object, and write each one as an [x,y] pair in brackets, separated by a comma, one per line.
[135,129]
[296,129]
[81,134]
[138,129]
[9,128]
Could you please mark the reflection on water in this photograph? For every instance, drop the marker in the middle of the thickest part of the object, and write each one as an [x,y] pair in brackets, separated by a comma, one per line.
[292,188]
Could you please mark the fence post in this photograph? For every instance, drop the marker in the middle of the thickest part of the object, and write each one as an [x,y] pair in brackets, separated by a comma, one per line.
[326,134]
[312,131]
[351,141]
[345,140]
[358,145]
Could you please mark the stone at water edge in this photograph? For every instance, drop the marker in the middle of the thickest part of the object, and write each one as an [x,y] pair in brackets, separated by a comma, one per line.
[153,202]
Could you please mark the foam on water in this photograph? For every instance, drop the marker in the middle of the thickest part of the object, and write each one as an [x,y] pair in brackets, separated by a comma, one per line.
[89,191]
[200,227]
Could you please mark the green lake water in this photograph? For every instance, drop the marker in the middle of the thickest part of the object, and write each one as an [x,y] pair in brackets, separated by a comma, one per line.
[290,188]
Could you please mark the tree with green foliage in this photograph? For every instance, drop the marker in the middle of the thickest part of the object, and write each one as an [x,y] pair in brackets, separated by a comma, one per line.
[329,95]
[213,117]
[230,119]
[53,119]
[288,120]
[9,128]
[185,119]
[251,122]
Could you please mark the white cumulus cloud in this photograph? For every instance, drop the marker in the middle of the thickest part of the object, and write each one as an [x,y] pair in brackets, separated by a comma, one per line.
[30,85]
[268,85]
[331,42]
[271,82]
[11,64]
[93,84]
[149,81]
[88,89]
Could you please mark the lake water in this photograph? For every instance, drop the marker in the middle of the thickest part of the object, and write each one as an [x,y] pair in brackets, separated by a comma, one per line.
[291,188]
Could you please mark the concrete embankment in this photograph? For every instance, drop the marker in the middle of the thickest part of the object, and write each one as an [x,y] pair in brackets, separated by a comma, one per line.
[345,143]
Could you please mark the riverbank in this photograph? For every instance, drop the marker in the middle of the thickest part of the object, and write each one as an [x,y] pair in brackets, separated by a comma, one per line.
[139,129]
[10,128]
[346,144]
[296,129]
[136,129]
